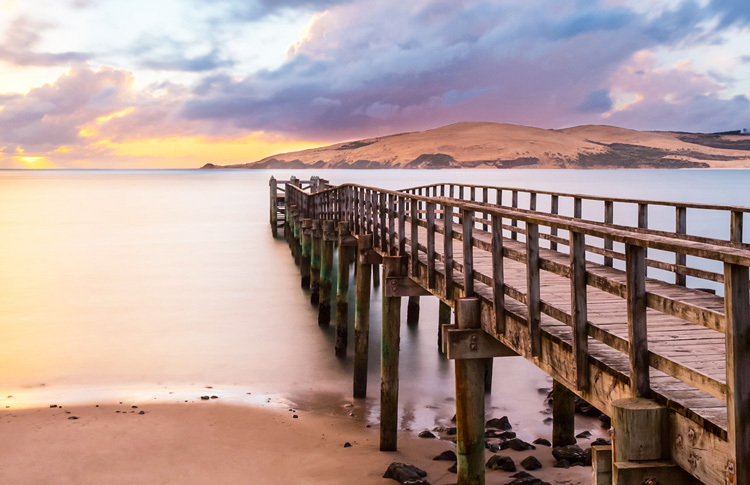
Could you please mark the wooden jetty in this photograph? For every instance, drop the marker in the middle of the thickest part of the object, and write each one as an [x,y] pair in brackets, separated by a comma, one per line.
[603,308]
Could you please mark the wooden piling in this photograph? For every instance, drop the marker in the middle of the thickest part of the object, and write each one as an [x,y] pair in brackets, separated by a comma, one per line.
[304,266]
[389,350]
[412,311]
[469,402]
[362,317]
[326,270]
[342,293]
[444,318]
[317,249]
[375,275]
[563,415]
[274,207]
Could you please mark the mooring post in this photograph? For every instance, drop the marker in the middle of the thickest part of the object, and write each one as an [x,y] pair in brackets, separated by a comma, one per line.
[274,201]
[326,270]
[412,310]
[444,318]
[317,243]
[563,415]
[389,349]
[304,266]
[469,402]
[342,293]
[362,317]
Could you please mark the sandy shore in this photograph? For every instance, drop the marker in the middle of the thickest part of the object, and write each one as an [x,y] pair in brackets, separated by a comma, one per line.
[215,442]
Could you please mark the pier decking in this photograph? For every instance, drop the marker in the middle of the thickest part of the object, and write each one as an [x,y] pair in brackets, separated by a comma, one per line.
[578,297]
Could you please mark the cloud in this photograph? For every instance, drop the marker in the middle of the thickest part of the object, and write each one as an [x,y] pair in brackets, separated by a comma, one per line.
[22,36]
[596,102]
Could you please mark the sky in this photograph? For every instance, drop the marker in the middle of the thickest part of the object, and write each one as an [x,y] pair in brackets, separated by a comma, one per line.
[179,83]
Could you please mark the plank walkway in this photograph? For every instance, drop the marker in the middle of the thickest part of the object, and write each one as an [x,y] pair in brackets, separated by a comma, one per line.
[602,332]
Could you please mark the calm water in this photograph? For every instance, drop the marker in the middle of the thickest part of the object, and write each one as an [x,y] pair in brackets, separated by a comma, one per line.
[142,283]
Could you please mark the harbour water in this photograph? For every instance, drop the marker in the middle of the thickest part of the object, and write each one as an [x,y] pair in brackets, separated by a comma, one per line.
[121,283]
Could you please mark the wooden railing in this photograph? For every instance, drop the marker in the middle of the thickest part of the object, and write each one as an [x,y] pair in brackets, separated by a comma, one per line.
[385,214]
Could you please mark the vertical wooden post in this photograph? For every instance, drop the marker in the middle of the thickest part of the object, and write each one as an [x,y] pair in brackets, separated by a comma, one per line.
[304,266]
[577,207]
[563,415]
[362,317]
[414,225]
[342,293]
[514,222]
[498,277]
[609,217]
[578,310]
[317,249]
[383,208]
[635,275]
[485,195]
[389,350]
[533,295]
[402,225]
[444,318]
[431,245]
[448,251]
[737,311]
[326,270]
[469,402]
[375,275]
[412,310]
[274,207]
[468,240]
[680,228]
[735,232]
[554,209]
[392,249]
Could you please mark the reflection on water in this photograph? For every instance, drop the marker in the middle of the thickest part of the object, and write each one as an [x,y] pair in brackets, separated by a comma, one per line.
[125,282]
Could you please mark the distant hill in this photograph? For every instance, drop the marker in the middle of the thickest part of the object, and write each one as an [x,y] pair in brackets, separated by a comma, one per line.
[500,145]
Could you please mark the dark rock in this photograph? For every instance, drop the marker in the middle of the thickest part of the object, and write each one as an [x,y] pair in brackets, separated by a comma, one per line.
[493,433]
[420,481]
[72,417]
[572,453]
[542,441]
[453,468]
[606,421]
[426,434]
[589,454]
[134,407]
[447,455]
[205,398]
[295,416]
[562,464]
[522,474]
[547,421]
[499,423]
[450,431]
[401,472]
[214,397]
[584,434]
[453,419]
[347,445]
[523,478]
[491,446]
[600,442]
[53,405]
[516,444]
[500,462]
[531,463]
[142,412]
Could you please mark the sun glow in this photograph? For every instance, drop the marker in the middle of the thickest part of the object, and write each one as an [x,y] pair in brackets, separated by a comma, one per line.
[118,114]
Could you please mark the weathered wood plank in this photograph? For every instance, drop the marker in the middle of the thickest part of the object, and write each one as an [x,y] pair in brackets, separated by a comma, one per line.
[637,329]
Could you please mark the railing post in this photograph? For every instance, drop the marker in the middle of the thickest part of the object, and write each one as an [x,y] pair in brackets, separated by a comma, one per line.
[609,217]
[533,295]
[431,245]
[514,222]
[554,209]
[392,225]
[736,227]
[401,225]
[389,350]
[414,226]
[485,194]
[737,311]
[635,275]
[680,259]
[498,277]
[469,402]
[468,263]
[578,310]
[342,293]
[383,208]
[577,207]
[362,316]
[448,250]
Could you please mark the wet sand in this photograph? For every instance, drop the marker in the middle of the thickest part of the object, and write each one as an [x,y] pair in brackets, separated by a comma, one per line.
[214,442]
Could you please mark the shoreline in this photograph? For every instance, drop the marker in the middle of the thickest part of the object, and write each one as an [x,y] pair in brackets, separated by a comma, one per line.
[211,440]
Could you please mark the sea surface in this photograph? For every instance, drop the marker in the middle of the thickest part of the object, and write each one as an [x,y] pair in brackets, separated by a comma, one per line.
[163,284]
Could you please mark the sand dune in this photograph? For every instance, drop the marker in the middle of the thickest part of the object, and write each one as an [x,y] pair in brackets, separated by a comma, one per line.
[500,145]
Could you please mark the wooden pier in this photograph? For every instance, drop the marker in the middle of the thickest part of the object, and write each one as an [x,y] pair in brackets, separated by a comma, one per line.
[617,314]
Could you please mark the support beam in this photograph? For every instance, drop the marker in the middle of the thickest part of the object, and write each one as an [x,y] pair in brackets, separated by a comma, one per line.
[469,402]
[342,293]
[393,266]
[563,415]
[362,318]
[326,270]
